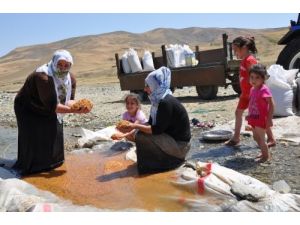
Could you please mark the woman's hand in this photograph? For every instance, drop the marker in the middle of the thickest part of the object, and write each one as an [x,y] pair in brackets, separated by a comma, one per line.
[80,110]
[70,103]
[128,128]
[117,136]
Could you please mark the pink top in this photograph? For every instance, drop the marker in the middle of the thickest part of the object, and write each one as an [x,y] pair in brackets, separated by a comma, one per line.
[258,106]
[139,116]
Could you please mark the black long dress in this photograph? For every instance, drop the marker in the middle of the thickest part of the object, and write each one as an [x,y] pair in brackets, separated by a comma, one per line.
[40,135]
[168,145]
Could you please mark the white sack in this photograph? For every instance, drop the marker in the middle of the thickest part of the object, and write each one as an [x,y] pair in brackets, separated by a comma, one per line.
[134,61]
[148,61]
[282,91]
[125,63]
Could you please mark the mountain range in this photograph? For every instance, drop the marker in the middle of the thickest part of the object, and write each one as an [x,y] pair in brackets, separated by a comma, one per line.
[94,55]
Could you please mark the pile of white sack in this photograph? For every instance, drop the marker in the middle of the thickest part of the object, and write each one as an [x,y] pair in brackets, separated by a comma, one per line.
[131,62]
[283,85]
[232,191]
[180,56]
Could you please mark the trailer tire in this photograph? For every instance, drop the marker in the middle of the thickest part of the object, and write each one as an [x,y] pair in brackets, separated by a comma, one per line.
[207,92]
[289,57]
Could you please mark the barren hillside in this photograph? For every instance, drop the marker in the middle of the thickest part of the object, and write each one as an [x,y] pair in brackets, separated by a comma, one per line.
[94,55]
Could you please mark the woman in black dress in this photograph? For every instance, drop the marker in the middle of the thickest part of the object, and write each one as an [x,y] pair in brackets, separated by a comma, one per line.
[163,143]
[47,94]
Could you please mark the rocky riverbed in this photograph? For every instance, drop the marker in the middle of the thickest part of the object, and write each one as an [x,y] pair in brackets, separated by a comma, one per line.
[109,105]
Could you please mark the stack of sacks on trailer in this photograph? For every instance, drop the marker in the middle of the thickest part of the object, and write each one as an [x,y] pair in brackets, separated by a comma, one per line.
[282,84]
[131,62]
[180,56]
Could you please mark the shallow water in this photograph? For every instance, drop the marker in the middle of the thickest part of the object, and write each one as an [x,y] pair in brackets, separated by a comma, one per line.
[108,181]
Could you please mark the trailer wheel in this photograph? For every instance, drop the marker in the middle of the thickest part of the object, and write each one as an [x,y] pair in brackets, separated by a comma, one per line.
[236,84]
[289,57]
[207,92]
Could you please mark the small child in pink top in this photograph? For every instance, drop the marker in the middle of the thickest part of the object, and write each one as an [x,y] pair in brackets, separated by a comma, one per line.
[261,107]
[133,114]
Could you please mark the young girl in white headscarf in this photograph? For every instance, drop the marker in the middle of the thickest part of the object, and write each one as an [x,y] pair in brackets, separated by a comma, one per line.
[46,95]
[164,142]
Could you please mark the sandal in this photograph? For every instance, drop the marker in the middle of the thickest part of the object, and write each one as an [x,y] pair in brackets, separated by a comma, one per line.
[232,143]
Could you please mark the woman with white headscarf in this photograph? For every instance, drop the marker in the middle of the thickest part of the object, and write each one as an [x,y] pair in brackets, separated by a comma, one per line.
[45,97]
[163,143]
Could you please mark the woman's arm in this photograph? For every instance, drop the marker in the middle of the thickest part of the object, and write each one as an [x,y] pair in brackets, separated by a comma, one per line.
[142,127]
[60,108]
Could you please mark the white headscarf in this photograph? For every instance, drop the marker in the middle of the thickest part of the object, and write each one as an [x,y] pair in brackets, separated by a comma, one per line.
[159,82]
[62,81]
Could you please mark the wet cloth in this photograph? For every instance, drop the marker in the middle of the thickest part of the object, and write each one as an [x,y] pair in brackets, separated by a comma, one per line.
[258,106]
[157,153]
[139,116]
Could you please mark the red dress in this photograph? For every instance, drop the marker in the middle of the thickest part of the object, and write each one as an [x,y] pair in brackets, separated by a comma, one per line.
[245,65]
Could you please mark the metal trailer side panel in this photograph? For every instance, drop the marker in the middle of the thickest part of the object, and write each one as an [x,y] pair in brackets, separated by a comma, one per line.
[132,81]
[211,75]
[198,76]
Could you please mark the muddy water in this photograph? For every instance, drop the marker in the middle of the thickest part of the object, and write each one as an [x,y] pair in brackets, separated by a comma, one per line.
[110,183]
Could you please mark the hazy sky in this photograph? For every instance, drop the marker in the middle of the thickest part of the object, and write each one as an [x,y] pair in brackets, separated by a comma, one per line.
[22,29]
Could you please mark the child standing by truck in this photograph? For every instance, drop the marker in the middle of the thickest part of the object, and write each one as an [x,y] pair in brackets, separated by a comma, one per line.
[261,107]
[244,48]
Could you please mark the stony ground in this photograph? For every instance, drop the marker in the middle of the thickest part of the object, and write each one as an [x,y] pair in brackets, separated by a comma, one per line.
[109,105]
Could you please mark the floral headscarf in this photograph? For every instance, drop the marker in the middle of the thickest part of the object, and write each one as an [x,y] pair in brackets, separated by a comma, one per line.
[159,83]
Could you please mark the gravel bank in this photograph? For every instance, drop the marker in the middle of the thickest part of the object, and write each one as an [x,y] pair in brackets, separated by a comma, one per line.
[109,105]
